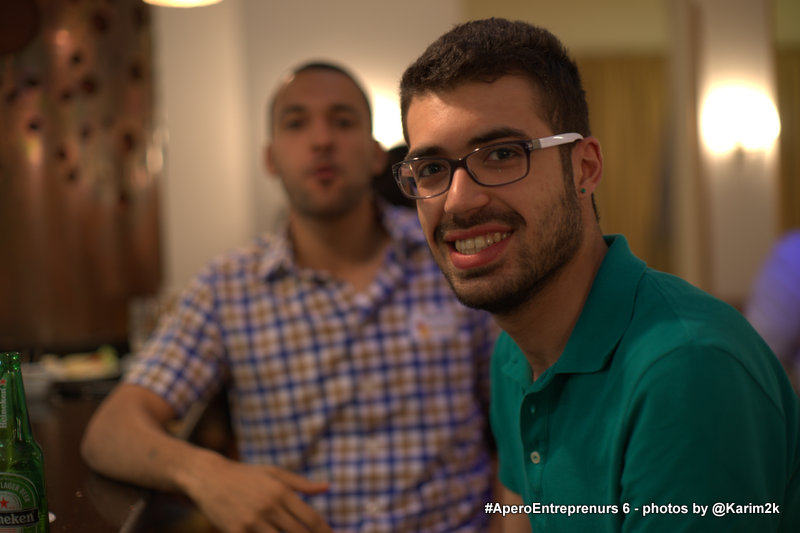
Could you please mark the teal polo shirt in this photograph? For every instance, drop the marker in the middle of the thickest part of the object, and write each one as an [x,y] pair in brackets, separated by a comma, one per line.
[664,403]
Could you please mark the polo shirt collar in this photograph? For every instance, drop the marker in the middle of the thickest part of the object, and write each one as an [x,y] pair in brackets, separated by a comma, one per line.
[605,317]
[278,257]
[606,313]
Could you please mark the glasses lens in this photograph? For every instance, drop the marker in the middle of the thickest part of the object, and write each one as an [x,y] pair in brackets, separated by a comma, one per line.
[492,165]
[424,177]
[499,164]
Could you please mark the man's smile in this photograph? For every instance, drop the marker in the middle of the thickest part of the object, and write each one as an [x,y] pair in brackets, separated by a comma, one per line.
[474,245]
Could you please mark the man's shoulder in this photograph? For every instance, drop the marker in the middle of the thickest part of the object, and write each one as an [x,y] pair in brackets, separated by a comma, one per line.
[404,228]
[678,326]
[660,309]
[244,261]
[671,304]
[402,224]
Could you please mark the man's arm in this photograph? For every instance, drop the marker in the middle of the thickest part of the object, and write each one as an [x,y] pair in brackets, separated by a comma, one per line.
[126,439]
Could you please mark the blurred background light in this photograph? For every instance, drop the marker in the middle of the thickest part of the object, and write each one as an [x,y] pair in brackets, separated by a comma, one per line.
[181,3]
[386,123]
[735,116]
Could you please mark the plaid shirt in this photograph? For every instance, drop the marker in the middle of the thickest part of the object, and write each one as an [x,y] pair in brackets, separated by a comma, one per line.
[383,393]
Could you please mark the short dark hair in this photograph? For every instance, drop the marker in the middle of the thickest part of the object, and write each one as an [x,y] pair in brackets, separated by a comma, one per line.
[320,65]
[485,50]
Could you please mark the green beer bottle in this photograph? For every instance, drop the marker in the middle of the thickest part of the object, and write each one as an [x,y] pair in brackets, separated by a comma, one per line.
[23,501]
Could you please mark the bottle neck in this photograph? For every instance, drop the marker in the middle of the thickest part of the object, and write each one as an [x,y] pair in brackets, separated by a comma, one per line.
[14,422]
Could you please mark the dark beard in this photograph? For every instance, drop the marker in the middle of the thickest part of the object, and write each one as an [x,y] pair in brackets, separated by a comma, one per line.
[347,200]
[562,234]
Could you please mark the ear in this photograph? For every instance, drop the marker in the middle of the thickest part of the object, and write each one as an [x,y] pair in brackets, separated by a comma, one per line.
[587,166]
[379,159]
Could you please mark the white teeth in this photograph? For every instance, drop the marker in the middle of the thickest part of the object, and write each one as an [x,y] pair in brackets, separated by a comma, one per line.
[476,244]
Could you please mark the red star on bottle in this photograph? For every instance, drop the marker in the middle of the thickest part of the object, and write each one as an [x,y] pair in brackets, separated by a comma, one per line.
[4,503]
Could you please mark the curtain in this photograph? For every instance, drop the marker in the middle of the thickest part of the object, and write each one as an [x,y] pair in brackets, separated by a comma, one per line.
[628,100]
[788,70]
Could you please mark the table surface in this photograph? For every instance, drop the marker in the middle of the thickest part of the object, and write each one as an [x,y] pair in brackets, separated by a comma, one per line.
[84,501]
[80,499]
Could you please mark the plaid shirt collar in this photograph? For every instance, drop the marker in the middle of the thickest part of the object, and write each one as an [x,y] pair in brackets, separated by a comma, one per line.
[400,223]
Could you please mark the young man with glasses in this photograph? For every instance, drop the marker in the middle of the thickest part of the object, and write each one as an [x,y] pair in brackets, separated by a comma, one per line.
[623,399]
[358,383]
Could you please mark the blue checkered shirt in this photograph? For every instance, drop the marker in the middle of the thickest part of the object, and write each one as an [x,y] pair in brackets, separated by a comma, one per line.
[383,393]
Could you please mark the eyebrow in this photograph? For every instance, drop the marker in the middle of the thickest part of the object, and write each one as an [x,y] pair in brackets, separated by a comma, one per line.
[347,108]
[476,141]
[335,108]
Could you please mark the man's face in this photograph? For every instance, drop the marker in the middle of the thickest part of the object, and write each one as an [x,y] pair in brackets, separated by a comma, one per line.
[497,246]
[322,147]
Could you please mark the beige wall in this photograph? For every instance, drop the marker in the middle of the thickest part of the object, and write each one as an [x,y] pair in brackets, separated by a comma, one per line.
[205,203]
[588,26]
[736,47]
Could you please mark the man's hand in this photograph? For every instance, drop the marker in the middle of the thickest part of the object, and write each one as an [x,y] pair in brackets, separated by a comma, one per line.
[241,498]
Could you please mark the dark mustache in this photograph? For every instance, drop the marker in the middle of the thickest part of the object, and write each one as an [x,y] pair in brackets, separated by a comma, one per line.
[484,216]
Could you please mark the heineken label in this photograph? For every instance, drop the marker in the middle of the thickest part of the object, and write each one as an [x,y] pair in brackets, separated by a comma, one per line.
[19,504]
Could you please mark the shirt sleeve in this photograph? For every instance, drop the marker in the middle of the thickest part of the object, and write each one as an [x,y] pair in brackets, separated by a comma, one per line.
[702,432]
[183,361]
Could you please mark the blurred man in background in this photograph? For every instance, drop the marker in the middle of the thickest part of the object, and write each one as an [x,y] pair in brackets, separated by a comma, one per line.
[358,384]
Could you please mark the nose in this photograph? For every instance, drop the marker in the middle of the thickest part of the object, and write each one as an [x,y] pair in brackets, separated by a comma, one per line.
[321,135]
[464,194]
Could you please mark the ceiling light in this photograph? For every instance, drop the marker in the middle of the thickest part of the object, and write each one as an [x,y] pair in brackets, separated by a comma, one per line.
[181,3]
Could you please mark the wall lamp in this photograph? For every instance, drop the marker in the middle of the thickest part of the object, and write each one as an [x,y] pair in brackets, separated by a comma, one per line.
[386,118]
[737,117]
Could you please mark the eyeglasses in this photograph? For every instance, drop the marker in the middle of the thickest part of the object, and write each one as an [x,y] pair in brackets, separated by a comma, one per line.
[491,166]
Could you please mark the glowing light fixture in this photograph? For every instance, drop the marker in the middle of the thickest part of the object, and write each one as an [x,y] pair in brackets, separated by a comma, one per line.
[738,117]
[386,120]
[182,3]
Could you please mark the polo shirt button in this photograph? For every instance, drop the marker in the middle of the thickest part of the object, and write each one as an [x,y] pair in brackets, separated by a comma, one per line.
[533,408]
[536,458]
